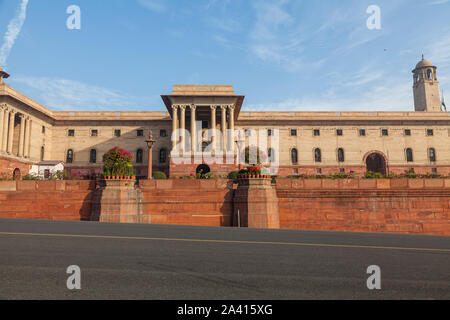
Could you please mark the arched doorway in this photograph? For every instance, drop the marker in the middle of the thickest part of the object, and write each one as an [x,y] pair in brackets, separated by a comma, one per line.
[376,162]
[16,174]
[203,169]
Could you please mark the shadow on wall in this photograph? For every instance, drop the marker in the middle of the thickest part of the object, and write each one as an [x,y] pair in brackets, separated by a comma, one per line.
[95,205]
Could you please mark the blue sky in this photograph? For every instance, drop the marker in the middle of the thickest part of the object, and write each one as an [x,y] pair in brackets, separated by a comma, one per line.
[306,55]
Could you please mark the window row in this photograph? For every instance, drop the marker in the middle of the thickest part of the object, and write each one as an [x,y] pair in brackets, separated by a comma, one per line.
[139,157]
[340,132]
[116,133]
[432,157]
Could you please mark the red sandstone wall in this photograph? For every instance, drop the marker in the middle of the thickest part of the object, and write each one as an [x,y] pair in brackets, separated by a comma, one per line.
[7,167]
[52,200]
[187,202]
[395,206]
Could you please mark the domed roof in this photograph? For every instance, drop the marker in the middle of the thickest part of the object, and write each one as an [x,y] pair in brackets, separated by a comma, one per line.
[424,63]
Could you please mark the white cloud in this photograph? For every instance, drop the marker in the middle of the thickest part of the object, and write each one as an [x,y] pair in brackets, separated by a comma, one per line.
[66,94]
[14,27]
[157,6]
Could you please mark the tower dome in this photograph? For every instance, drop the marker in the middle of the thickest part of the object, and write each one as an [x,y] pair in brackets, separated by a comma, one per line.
[424,63]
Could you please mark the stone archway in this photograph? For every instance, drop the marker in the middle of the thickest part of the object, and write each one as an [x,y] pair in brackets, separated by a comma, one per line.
[203,169]
[17,175]
[376,162]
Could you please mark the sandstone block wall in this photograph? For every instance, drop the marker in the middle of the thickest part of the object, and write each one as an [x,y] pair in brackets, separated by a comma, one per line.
[395,206]
[48,200]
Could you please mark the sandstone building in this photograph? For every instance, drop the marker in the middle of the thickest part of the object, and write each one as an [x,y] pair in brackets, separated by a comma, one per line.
[309,142]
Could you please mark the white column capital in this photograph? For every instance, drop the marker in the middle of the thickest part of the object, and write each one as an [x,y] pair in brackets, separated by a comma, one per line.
[231,107]
[193,107]
[223,107]
[213,107]
[174,107]
[183,107]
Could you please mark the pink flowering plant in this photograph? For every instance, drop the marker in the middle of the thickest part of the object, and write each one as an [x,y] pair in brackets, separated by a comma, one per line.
[118,162]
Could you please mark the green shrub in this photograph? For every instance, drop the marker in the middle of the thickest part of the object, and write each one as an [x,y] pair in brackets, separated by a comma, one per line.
[158,175]
[373,175]
[233,176]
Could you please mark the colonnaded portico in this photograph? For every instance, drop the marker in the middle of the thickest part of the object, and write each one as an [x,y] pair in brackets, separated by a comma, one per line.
[206,113]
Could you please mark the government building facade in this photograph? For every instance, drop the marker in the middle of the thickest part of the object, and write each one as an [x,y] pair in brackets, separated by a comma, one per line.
[306,142]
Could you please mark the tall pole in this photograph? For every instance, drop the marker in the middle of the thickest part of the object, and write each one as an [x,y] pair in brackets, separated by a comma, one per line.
[150,143]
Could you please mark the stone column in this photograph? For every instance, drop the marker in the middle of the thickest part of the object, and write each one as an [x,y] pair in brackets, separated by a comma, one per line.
[2,120]
[231,137]
[213,127]
[28,145]
[224,128]
[193,129]
[174,125]
[5,130]
[12,115]
[27,137]
[21,135]
[183,126]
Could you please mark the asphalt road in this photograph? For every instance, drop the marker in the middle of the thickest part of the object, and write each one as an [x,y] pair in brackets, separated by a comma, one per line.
[121,261]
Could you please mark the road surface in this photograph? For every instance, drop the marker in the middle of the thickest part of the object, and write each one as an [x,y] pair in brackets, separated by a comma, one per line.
[128,261]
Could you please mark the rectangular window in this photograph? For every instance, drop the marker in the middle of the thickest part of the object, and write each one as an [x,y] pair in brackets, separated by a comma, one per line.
[319,170]
[71,133]
[339,132]
[117,133]
[316,132]
[269,132]
[163,133]
[140,133]
[342,170]
[407,132]
[430,132]
[293,132]
[434,170]
[384,132]
[362,132]
[205,124]
[43,129]
[248,132]
[94,133]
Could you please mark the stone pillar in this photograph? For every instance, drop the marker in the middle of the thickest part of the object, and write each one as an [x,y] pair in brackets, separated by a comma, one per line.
[183,127]
[28,144]
[256,204]
[231,136]
[22,135]
[5,130]
[117,201]
[193,129]
[224,128]
[2,120]
[12,115]
[27,137]
[174,125]
[213,127]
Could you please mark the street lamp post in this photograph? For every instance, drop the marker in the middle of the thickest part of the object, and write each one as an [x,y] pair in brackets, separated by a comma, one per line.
[240,142]
[150,144]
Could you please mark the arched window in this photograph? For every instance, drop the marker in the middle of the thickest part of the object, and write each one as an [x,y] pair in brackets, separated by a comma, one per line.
[93,156]
[409,155]
[162,156]
[432,154]
[69,157]
[317,155]
[294,156]
[139,156]
[42,153]
[429,74]
[271,155]
[341,155]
